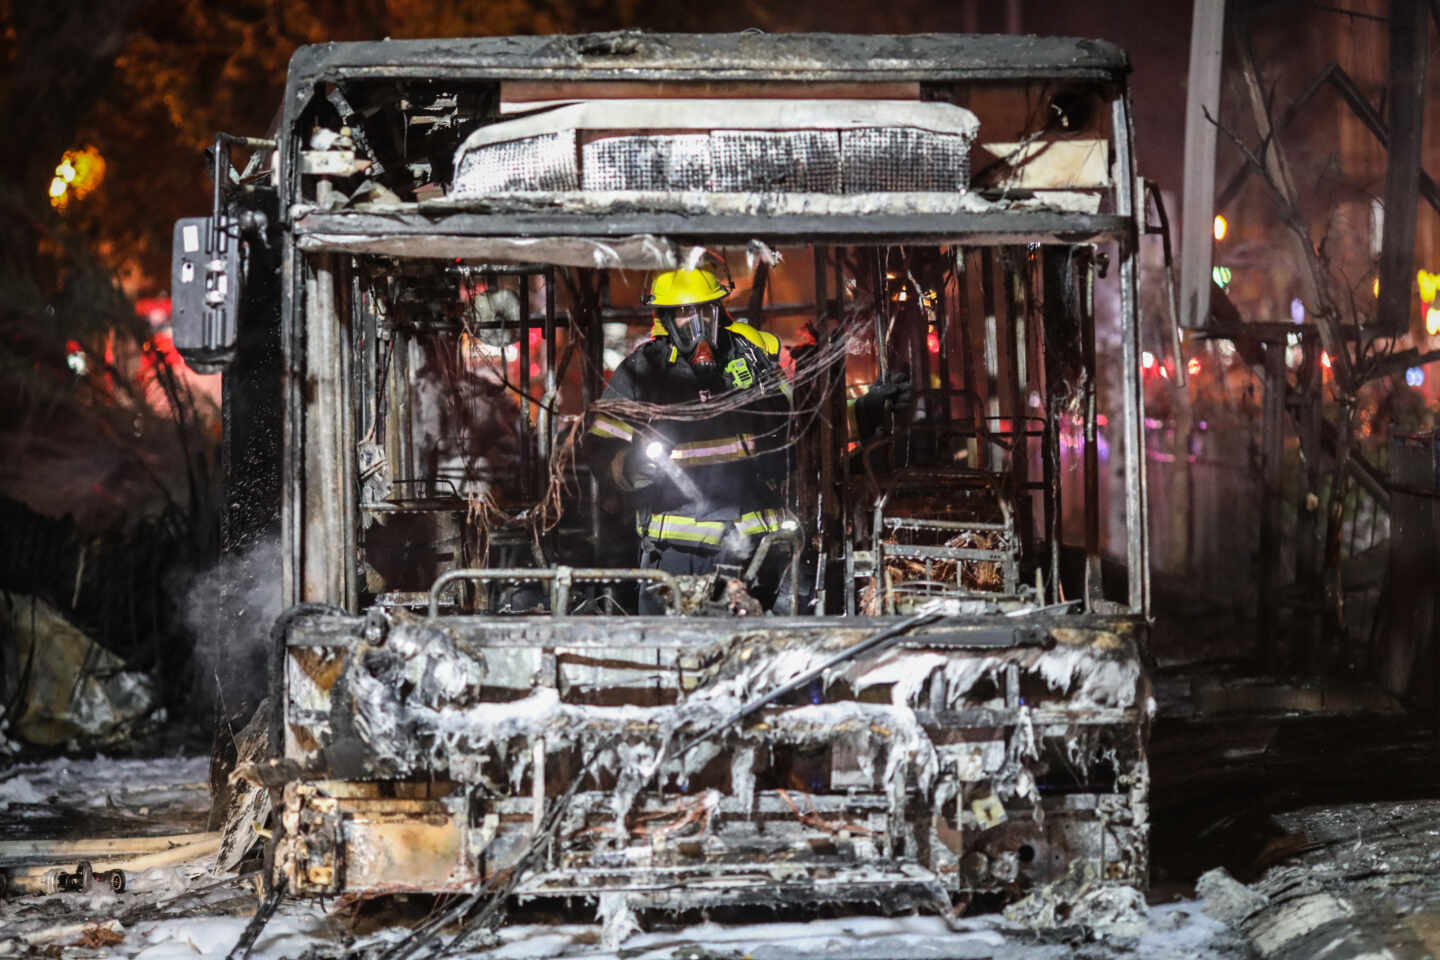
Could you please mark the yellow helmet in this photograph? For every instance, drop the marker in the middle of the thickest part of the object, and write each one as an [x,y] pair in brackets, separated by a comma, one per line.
[679,288]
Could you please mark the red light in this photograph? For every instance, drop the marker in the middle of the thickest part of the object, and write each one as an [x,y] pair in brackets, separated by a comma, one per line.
[154,309]
[1193,366]
[1325,359]
[933,341]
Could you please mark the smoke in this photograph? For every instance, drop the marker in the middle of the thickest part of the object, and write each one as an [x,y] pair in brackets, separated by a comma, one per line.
[228,610]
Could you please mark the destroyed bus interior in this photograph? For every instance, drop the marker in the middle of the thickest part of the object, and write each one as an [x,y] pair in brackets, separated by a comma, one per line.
[475,383]
[911,690]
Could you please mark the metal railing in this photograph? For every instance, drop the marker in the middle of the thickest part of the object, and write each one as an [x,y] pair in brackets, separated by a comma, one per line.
[560,578]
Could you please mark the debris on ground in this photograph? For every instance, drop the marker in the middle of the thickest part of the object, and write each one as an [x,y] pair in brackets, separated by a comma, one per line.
[1080,899]
[1365,886]
[69,688]
[1227,899]
[247,803]
[181,910]
[98,935]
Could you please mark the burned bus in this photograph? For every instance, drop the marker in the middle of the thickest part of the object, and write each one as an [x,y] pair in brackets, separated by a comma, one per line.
[419,286]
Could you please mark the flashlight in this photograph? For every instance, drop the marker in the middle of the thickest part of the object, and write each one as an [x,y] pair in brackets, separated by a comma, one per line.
[655,450]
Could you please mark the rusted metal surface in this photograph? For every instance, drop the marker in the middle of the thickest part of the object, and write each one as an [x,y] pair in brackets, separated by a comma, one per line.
[344,837]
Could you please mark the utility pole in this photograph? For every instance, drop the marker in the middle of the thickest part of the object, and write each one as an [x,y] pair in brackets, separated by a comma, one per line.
[1409,38]
[1202,112]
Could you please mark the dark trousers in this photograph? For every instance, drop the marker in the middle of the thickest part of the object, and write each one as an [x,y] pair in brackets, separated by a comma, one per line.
[772,587]
[671,559]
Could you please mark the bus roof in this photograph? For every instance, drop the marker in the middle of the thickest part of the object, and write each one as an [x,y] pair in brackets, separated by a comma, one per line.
[748,56]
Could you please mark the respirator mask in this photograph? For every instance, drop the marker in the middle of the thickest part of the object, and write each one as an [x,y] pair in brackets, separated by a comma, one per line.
[692,329]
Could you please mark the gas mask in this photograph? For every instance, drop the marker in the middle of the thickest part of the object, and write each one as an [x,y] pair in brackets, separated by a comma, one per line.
[693,329]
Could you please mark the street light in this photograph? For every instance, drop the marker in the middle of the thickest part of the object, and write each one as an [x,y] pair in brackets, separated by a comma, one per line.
[77,174]
[1429,284]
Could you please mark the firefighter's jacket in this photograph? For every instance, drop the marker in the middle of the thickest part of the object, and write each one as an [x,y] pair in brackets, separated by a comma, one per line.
[722,484]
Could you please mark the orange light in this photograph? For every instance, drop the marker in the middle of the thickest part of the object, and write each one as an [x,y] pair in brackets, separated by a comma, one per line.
[77,174]
[1325,359]
[1375,287]
[1222,227]
[1193,366]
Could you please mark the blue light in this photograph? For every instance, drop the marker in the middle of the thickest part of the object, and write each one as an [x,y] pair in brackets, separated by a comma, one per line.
[1415,376]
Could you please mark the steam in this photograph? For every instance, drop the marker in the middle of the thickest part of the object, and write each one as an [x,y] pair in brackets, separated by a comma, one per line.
[228,610]
[692,258]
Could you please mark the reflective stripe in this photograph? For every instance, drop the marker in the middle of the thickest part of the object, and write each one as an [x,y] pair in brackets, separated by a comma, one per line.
[759,521]
[719,450]
[610,427]
[672,526]
[676,528]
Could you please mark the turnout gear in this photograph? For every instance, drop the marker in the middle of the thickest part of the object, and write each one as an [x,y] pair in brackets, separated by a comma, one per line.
[718,484]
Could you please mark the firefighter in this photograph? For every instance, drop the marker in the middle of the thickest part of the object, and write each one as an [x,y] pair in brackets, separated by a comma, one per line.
[707,483]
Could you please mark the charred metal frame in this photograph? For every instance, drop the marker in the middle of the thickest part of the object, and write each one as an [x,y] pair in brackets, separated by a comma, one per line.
[324,660]
[716,826]
[675,58]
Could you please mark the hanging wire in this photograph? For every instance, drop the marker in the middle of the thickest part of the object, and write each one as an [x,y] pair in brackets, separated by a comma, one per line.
[467,407]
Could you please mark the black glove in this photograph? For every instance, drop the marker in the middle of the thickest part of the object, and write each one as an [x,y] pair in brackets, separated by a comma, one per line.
[639,470]
[894,393]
